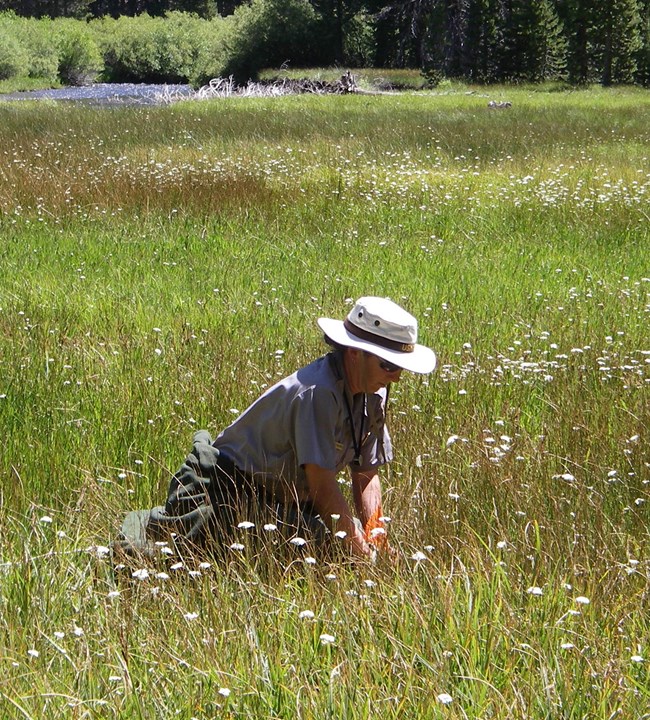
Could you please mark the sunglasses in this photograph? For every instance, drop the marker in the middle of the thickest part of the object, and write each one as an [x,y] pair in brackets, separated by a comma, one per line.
[388,367]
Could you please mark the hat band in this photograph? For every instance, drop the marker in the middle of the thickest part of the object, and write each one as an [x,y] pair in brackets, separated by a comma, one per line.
[377,339]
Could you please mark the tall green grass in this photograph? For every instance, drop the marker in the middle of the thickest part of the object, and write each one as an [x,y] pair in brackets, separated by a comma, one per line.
[155,260]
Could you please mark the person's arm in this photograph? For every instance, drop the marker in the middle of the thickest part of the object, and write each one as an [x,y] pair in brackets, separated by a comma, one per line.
[366,491]
[328,500]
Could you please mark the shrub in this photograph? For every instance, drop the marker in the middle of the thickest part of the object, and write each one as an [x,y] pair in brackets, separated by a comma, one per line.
[13,58]
[129,49]
[79,58]
[211,51]
[43,53]
[36,55]
[267,33]
[149,49]
[178,45]
[359,41]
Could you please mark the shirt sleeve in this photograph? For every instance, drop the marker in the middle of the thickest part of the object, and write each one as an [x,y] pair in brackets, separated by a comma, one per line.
[315,416]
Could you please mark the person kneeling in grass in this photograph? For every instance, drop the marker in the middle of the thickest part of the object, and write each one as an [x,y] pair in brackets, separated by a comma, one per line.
[277,464]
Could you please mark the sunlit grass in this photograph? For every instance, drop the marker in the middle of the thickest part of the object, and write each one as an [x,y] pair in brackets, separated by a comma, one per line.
[162,266]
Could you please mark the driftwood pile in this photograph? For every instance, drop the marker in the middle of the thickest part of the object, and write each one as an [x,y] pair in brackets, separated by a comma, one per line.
[225,87]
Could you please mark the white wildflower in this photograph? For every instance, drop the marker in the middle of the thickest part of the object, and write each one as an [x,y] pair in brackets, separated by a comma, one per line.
[567,477]
[100,551]
[445,698]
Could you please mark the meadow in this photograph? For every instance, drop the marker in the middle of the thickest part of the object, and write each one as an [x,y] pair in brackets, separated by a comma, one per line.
[161,266]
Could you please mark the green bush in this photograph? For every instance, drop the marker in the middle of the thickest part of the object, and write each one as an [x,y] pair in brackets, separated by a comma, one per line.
[36,55]
[211,51]
[268,33]
[128,48]
[177,42]
[80,60]
[359,41]
[43,54]
[148,49]
[13,58]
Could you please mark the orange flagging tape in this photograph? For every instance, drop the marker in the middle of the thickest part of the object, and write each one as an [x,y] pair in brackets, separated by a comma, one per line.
[375,523]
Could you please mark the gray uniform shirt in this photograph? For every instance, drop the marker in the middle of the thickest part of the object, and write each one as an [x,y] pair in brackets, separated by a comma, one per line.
[304,419]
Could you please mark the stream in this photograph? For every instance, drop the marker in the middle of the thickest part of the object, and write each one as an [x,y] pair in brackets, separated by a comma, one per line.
[109,94]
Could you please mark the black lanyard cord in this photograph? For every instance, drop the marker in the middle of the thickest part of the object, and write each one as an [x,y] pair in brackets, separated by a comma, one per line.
[356,442]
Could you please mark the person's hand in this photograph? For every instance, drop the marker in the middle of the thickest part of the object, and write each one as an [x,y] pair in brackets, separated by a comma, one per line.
[375,533]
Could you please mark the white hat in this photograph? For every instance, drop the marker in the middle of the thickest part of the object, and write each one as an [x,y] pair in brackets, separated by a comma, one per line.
[382,328]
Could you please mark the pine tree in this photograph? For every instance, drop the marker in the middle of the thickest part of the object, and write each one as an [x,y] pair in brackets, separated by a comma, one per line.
[643,56]
[47,8]
[621,40]
[435,34]
[534,46]
[412,32]
[455,24]
[548,46]
[483,41]
[579,21]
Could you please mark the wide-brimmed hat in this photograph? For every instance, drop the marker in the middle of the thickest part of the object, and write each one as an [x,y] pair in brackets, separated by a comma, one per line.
[385,329]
